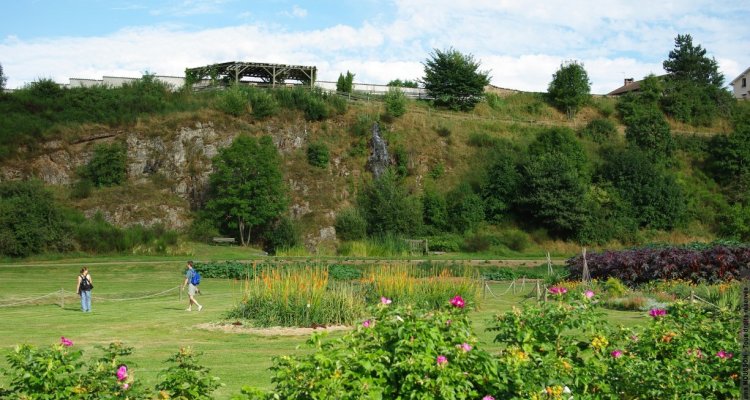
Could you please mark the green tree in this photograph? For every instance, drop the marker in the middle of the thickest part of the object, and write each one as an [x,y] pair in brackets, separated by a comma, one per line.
[694,85]
[500,187]
[387,207]
[350,225]
[247,186]
[570,88]
[108,165]
[345,83]
[395,102]
[554,179]
[650,131]
[465,208]
[405,83]
[30,221]
[434,210]
[454,79]
[656,198]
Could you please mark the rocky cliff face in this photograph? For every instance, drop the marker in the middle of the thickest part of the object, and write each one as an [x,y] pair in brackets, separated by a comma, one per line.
[181,161]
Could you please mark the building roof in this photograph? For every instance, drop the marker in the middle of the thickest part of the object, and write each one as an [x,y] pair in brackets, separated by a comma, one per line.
[740,76]
[626,88]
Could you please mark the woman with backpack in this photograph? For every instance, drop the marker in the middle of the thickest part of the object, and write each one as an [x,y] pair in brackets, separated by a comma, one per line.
[84,289]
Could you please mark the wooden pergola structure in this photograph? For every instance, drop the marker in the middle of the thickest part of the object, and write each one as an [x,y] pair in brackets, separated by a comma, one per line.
[238,71]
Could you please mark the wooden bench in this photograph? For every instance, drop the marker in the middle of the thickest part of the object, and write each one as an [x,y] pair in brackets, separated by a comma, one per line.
[223,240]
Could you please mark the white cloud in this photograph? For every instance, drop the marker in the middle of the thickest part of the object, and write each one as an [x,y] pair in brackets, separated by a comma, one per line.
[522,44]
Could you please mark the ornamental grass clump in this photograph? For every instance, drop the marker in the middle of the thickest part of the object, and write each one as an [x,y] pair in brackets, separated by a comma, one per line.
[299,297]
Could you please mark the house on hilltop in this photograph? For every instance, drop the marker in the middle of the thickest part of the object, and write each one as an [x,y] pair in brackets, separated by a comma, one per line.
[739,86]
[630,85]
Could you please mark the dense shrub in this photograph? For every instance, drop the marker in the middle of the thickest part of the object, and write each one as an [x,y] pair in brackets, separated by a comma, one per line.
[395,102]
[465,209]
[281,234]
[107,167]
[263,104]
[318,154]
[396,352]
[387,207]
[633,267]
[30,220]
[234,101]
[599,130]
[350,225]
[186,378]
[344,272]
[445,242]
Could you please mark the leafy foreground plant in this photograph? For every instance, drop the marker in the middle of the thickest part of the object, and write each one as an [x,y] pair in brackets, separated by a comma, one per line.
[399,352]
[563,346]
[59,372]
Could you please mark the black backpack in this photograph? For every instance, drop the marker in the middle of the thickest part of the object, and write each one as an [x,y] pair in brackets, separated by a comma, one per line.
[85,284]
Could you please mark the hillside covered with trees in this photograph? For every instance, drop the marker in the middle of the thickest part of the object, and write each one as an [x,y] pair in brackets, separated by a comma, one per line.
[144,168]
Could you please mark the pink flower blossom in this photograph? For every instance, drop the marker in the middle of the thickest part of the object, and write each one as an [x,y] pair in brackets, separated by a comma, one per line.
[458,301]
[589,294]
[122,373]
[125,386]
[65,342]
[441,360]
[634,338]
[657,312]
[558,290]
[724,355]
[448,322]
[367,323]
[488,397]
[616,353]
[385,300]
[465,347]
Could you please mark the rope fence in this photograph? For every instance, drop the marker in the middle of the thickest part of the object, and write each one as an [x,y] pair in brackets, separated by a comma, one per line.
[62,294]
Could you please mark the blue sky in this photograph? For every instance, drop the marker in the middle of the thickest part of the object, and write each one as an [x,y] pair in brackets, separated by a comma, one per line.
[521,43]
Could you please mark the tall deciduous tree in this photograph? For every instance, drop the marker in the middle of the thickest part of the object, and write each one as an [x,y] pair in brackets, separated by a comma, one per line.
[553,182]
[247,186]
[454,79]
[694,85]
[570,88]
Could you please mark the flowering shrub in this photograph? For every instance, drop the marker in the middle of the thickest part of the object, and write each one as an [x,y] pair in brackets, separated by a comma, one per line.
[402,352]
[186,379]
[59,372]
[686,351]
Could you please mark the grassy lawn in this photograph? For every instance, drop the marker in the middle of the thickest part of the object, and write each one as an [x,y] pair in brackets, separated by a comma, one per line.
[157,326]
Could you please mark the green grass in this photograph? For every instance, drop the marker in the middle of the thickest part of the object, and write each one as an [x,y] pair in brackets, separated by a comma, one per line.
[158,326]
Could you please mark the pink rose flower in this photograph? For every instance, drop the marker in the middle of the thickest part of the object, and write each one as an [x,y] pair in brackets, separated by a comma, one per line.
[465,347]
[367,323]
[385,300]
[441,360]
[458,301]
[122,373]
[589,294]
[65,342]
[657,312]
[559,290]
[616,353]
[488,397]
[724,355]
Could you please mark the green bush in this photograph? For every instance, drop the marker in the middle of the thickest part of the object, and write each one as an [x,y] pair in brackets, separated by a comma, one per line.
[446,242]
[599,130]
[395,102]
[350,225]
[107,167]
[264,105]
[344,272]
[282,234]
[516,240]
[186,378]
[388,208]
[318,154]
[396,352]
[234,101]
[30,220]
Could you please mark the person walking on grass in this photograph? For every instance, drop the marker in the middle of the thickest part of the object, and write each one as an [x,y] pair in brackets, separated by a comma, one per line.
[83,288]
[192,289]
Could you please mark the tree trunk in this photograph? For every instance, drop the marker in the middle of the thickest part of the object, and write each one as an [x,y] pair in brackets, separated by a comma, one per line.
[241,225]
